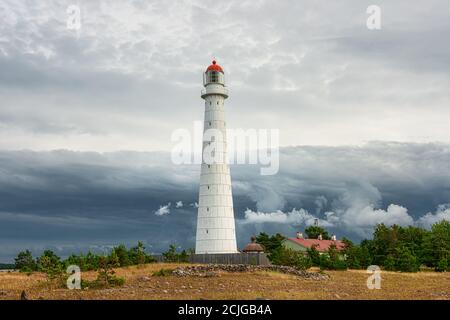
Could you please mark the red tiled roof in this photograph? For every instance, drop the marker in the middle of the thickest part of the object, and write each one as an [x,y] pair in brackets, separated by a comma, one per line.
[321,245]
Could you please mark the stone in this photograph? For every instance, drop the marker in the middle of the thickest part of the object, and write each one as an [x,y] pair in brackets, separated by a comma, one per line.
[211,270]
[23,295]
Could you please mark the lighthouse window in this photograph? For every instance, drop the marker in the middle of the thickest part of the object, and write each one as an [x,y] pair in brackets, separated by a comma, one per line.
[213,76]
[208,187]
[210,123]
[206,230]
[207,209]
[217,102]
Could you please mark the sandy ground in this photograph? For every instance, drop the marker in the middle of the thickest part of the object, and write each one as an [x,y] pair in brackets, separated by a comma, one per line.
[140,284]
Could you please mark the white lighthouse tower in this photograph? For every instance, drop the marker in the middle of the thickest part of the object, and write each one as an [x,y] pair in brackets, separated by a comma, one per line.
[215,221]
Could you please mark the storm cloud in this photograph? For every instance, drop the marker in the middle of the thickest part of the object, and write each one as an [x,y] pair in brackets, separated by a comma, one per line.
[86,200]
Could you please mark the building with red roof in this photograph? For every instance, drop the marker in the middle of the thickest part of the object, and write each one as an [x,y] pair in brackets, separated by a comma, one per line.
[301,244]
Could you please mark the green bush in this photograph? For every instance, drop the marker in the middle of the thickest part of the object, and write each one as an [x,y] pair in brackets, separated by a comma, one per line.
[137,254]
[337,259]
[288,257]
[134,256]
[25,262]
[172,255]
[314,255]
[106,275]
[50,264]
[121,253]
[162,273]
[443,265]
[406,261]
[390,263]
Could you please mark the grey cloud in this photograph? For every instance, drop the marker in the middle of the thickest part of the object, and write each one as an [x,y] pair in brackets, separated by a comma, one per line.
[134,61]
[89,198]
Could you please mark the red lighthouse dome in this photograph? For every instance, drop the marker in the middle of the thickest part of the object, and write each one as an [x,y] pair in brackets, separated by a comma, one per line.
[214,67]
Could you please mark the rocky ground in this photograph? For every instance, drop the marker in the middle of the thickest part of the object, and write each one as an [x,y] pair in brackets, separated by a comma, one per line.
[214,270]
[185,282]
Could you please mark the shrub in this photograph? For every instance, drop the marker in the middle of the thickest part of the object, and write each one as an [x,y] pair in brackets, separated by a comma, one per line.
[150,259]
[25,262]
[171,255]
[353,256]
[288,257]
[79,260]
[50,264]
[137,254]
[122,255]
[406,262]
[314,255]
[332,260]
[443,265]
[162,273]
[106,275]
[91,261]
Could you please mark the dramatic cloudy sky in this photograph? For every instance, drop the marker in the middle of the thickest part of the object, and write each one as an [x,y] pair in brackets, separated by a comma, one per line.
[86,117]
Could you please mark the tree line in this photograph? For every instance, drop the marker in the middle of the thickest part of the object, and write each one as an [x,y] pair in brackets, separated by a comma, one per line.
[392,248]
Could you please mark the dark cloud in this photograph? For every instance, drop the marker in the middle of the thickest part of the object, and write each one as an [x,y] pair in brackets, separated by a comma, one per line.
[84,199]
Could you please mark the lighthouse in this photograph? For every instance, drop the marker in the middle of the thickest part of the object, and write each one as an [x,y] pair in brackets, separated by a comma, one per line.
[215,220]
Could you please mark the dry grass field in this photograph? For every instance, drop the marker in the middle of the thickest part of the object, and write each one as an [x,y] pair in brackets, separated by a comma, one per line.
[140,284]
